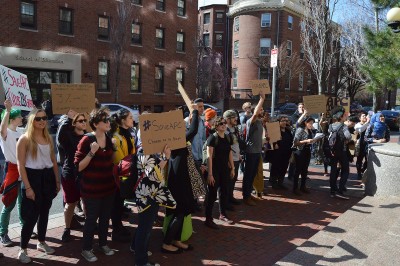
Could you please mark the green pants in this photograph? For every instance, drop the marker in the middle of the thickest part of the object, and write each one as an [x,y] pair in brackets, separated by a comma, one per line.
[6,213]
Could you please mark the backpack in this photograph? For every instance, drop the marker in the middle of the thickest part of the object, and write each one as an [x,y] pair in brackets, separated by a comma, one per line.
[240,137]
[204,150]
[336,141]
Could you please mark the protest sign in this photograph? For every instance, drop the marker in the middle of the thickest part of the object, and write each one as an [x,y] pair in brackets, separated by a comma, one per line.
[332,102]
[16,88]
[274,132]
[185,97]
[78,97]
[158,130]
[260,85]
[315,104]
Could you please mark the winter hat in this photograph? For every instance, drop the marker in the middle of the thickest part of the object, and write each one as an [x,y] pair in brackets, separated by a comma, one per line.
[209,114]
[14,113]
[229,114]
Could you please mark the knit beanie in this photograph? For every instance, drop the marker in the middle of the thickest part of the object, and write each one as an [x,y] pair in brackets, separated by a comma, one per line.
[14,113]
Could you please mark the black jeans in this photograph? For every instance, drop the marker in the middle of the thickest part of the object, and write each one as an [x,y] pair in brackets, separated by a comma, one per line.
[343,160]
[232,181]
[117,210]
[361,163]
[302,161]
[250,172]
[220,186]
[43,183]
[279,167]
[174,230]
[97,208]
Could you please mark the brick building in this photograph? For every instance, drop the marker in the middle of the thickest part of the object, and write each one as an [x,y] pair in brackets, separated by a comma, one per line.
[255,26]
[70,41]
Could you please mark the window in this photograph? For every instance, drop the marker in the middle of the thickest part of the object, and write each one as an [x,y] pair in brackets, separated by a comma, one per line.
[103,75]
[235,78]
[264,73]
[180,76]
[236,49]
[65,21]
[159,79]
[289,48]
[136,33]
[220,17]
[135,78]
[266,20]
[237,95]
[158,108]
[206,18]
[206,39]
[218,39]
[137,2]
[301,81]
[265,46]
[333,83]
[160,5]
[287,80]
[290,22]
[236,24]
[28,14]
[301,52]
[180,42]
[181,11]
[309,81]
[104,28]
[160,38]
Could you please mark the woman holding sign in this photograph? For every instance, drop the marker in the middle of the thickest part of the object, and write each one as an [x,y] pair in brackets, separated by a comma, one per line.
[38,168]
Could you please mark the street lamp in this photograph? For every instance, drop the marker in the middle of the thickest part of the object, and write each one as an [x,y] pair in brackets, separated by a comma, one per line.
[393,18]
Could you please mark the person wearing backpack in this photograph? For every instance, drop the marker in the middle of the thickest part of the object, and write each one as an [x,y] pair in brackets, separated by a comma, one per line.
[220,169]
[124,145]
[339,136]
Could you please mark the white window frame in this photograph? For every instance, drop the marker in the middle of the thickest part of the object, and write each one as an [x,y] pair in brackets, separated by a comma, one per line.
[266,20]
[236,49]
[289,47]
[266,41]
[236,24]
[235,78]
[290,22]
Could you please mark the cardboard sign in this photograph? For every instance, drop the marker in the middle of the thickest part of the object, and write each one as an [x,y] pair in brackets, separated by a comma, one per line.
[332,102]
[158,130]
[78,97]
[16,88]
[260,85]
[315,104]
[185,97]
[274,132]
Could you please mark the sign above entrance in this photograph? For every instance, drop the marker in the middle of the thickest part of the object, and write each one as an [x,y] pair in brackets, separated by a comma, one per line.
[78,97]
[16,88]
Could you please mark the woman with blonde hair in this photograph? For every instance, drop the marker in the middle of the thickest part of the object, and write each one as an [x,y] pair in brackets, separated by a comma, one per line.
[38,168]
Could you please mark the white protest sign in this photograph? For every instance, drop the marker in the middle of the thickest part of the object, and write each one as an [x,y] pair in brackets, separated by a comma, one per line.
[16,88]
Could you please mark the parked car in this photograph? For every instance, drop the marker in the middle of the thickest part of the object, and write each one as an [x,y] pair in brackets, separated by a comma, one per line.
[206,106]
[287,108]
[114,107]
[396,108]
[392,119]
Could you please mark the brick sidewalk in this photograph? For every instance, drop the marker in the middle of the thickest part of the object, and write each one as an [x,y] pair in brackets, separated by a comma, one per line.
[261,236]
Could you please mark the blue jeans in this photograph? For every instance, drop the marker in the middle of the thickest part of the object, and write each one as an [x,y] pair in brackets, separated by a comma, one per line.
[251,168]
[143,231]
[6,213]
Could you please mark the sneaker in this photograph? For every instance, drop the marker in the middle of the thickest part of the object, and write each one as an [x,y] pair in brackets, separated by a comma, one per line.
[42,246]
[5,240]
[249,202]
[88,255]
[34,235]
[226,219]
[149,253]
[66,236]
[107,251]
[23,257]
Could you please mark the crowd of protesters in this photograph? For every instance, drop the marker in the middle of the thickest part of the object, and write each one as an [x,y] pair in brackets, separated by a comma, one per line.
[208,167]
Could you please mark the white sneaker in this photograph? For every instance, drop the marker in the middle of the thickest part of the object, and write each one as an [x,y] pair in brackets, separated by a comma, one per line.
[42,246]
[107,251]
[23,257]
[88,255]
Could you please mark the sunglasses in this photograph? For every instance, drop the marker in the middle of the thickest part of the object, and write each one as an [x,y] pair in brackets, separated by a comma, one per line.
[284,120]
[106,120]
[40,118]
[221,123]
[81,121]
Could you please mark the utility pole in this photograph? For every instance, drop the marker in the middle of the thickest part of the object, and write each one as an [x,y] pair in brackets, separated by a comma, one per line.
[274,65]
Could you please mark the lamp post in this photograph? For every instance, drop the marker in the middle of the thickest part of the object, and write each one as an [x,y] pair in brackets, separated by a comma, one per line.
[393,18]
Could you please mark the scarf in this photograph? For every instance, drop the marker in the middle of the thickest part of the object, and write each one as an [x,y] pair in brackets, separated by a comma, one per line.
[379,127]
[128,136]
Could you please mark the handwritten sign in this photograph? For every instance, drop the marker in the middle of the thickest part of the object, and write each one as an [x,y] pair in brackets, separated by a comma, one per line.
[16,88]
[158,130]
[332,102]
[78,97]
[274,132]
[260,85]
[315,104]
[185,97]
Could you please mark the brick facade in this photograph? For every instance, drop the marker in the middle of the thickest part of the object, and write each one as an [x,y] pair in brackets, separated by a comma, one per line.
[84,41]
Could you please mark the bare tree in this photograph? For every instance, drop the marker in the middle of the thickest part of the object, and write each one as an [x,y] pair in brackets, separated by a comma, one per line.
[320,37]
[120,38]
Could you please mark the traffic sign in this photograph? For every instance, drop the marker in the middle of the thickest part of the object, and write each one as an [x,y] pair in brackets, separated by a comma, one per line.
[274,57]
